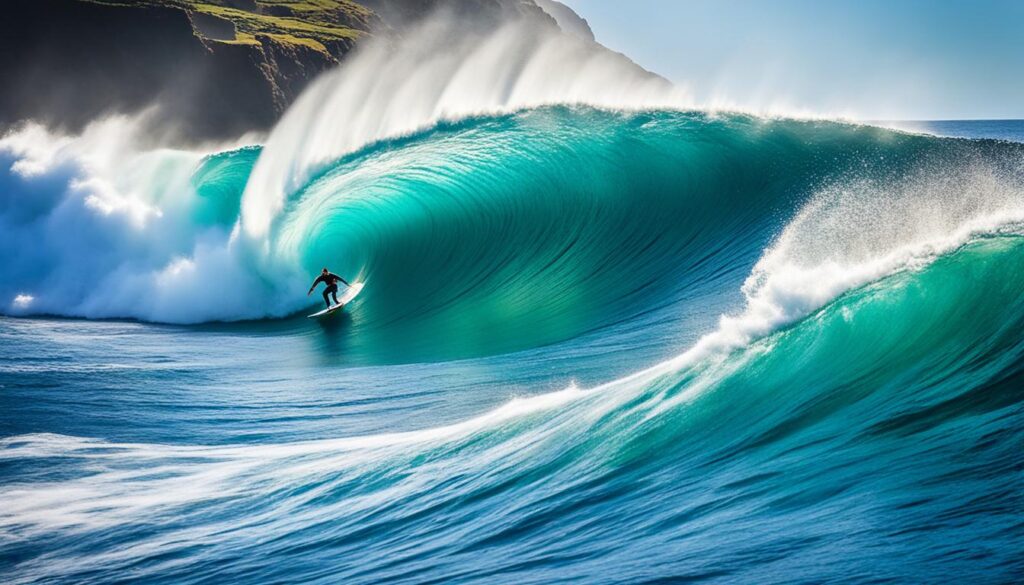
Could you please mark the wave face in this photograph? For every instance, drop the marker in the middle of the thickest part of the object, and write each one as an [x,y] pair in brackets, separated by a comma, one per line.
[498,234]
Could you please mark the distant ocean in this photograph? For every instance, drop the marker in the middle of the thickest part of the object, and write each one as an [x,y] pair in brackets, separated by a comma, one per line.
[998,129]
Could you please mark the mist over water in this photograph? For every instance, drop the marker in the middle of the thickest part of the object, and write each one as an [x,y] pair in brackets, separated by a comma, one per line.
[604,335]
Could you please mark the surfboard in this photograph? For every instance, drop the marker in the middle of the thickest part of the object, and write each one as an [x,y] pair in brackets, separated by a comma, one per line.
[349,294]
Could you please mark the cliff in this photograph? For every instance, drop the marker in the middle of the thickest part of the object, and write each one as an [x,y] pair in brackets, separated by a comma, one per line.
[215,68]
[567,18]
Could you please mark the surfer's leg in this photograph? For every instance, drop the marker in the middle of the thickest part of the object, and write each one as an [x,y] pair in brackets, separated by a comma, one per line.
[331,290]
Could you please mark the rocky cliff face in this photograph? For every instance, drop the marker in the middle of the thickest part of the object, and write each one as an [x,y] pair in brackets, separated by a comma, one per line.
[67,62]
[209,69]
[567,18]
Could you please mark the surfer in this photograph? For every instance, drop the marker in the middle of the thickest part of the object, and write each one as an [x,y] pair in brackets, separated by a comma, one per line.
[331,280]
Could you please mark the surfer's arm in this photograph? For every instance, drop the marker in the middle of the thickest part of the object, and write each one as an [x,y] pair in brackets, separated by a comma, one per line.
[341,279]
[312,286]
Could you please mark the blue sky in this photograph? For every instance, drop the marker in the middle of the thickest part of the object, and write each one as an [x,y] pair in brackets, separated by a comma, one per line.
[872,59]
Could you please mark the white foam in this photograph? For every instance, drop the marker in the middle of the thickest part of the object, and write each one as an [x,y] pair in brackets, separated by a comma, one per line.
[100,226]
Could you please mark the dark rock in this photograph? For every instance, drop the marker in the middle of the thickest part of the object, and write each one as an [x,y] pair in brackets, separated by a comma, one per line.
[472,15]
[567,19]
[65,63]
[278,10]
[212,27]
[249,5]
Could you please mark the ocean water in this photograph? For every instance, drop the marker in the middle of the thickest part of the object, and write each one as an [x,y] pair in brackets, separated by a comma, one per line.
[1009,130]
[538,384]
[603,339]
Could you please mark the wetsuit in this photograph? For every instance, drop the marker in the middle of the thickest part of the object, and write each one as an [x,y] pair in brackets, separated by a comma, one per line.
[331,280]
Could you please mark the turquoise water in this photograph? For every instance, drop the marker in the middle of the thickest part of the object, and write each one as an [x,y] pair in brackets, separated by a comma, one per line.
[537,384]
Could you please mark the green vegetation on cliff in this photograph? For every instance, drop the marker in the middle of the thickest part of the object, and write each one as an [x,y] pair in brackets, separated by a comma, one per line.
[314,24]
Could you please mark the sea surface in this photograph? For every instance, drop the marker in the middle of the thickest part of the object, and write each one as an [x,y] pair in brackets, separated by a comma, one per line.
[594,346]
[1009,130]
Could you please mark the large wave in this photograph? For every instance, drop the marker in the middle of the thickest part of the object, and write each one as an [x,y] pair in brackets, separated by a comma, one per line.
[497,232]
